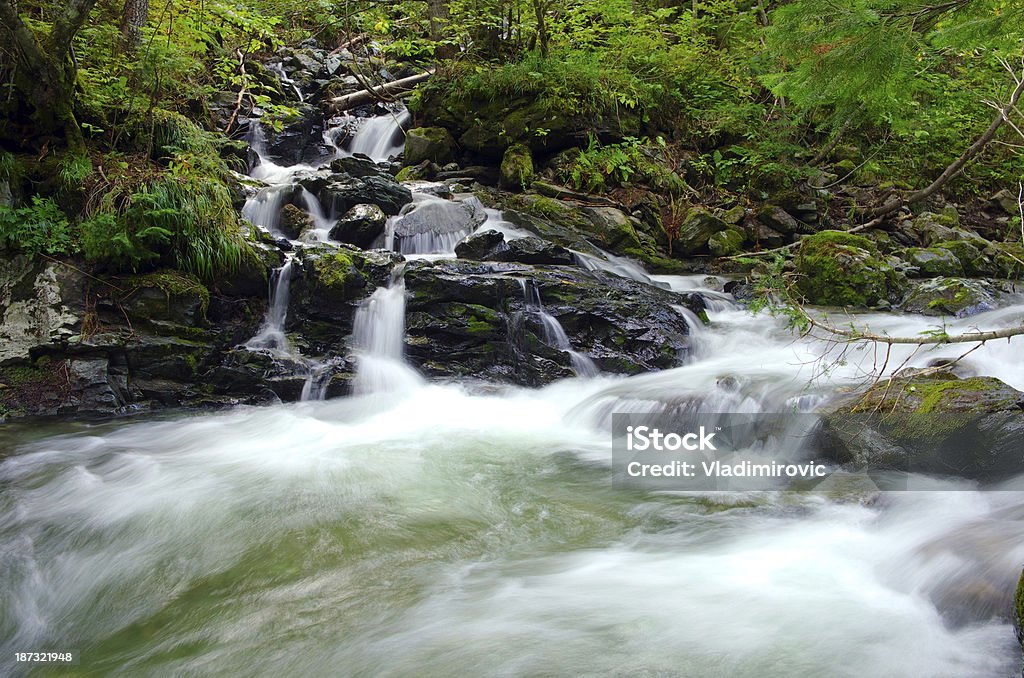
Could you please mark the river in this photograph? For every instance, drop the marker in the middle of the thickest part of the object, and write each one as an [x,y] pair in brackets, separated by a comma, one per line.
[427,529]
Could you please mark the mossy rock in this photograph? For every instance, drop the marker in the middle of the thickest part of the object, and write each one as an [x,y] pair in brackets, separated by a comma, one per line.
[696,231]
[972,259]
[516,167]
[169,296]
[435,144]
[958,297]
[932,423]
[835,268]
[932,262]
[726,243]
[1018,611]
[940,393]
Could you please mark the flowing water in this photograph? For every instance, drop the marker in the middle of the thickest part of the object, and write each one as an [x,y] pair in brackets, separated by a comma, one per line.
[424,529]
[435,530]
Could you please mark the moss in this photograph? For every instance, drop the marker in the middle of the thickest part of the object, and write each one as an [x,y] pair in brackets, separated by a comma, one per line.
[334,270]
[725,243]
[174,284]
[940,393]
[840,269]
[517,167]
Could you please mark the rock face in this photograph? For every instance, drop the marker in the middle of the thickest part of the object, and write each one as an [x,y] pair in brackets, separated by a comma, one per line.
[933,423]
[360,226]
[467,319]
[838,269]
[429,143]
[79,346]
[958,297]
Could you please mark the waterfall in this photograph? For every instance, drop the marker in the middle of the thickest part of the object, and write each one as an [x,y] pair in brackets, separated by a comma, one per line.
[271,335]
[554,333]
[380,137]
[264,208]
[379,342]
[322,223]
[278,68]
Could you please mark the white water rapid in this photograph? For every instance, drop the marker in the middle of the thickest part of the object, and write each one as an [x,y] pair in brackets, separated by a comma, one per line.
[442,530]
[454,529]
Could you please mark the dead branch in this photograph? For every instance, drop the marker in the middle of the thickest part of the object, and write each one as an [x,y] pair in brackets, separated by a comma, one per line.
[396,89]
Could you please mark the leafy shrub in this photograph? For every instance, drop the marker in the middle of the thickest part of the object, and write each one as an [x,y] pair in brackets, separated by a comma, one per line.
[39,228]
[598,167]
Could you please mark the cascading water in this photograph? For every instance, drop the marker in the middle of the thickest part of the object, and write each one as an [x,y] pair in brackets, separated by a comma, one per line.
[554,333]
[271,335]
[378,342]
[380,137]
[459,529]
[285,79]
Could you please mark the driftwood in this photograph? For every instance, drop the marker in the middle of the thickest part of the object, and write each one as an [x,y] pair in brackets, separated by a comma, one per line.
[394,90]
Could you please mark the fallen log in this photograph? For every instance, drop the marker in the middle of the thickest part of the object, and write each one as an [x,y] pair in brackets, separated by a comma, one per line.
[396,89]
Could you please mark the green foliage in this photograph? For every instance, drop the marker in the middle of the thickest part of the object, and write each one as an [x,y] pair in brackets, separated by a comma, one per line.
[182,219]
[633,161]
[41,228]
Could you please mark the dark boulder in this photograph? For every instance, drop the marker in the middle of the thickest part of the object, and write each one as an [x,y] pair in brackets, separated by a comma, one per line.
[360,226]
[470,319]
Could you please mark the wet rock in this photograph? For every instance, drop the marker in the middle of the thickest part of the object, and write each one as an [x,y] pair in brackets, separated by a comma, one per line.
[343,193]
[486,245]
[300,140]
[428,143]
[538,252]
[358,167]
[516,168]
[326,290]
[958,297]
[360,226]
[471,319]
[933,261]
[834,268]
[294,222]
[930,422]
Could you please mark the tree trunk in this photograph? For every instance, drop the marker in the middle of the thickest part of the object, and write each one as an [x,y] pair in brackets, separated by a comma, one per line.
[133,19]
[49,72]
[437,13]
[540,9]
[397,88]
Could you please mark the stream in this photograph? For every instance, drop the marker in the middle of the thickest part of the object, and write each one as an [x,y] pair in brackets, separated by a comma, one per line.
[428,529]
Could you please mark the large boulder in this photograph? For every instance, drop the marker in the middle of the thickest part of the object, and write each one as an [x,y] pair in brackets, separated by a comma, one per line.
[696,232]
[834,268]
[485,245]
[516,167]
[932,262]
[360,226]
[343,192]
[472,319]
[930,422]
[428,143]
[435,225]
[958,297]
